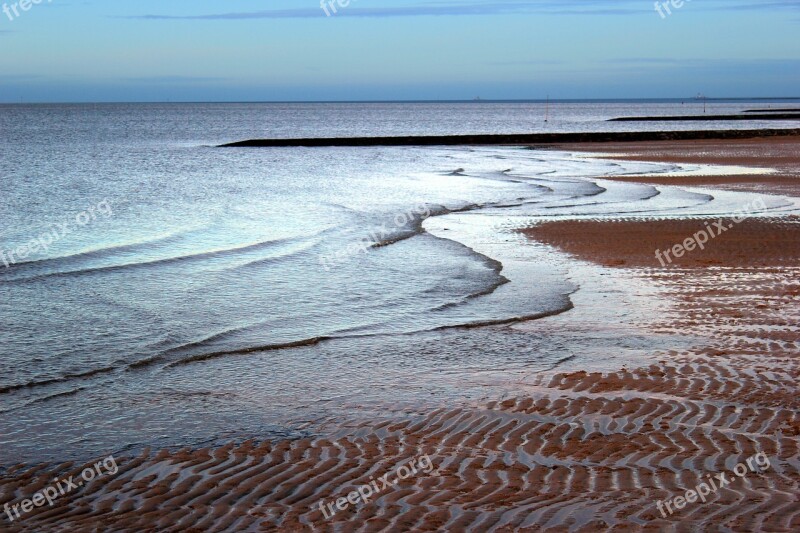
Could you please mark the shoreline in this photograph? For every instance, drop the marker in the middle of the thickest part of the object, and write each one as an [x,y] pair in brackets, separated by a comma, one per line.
[568,451]
[778,154]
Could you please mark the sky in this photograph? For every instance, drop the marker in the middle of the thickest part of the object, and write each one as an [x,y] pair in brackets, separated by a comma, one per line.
[294,50]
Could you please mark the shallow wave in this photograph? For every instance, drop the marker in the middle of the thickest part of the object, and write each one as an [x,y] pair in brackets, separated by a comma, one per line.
[99,252]
[568,305]
[414,225]
[243,351]
[300,248]
[53,381]
[195,256]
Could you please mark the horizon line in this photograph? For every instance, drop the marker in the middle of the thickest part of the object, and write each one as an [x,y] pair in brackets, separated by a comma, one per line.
[421,101]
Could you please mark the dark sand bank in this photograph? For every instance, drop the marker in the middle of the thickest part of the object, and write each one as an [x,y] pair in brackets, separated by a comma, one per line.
[533,138]
[702,118]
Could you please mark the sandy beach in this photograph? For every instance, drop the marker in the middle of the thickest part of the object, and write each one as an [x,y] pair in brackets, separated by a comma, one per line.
[573,451]
[779,154]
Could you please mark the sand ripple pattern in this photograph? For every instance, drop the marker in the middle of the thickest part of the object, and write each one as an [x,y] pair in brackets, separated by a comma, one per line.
[578,452]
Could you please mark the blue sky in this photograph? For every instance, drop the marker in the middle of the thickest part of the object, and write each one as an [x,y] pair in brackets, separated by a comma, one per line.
[289,50]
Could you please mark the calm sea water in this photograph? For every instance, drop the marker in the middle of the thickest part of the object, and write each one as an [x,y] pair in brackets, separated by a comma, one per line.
[155,290]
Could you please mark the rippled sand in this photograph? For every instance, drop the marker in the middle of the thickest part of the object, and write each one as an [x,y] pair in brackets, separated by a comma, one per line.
[575,451]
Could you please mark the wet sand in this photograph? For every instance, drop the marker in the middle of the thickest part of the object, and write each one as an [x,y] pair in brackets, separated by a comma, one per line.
[780,154]
[573,451]
[748,243]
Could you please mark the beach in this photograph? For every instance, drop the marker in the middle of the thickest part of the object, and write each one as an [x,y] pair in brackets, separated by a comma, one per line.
[630,449]
[403,266]
[779,154]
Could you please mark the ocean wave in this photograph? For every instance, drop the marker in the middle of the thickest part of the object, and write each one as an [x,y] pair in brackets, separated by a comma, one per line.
[52,381]
[7,277]
[250,349]
[98,252]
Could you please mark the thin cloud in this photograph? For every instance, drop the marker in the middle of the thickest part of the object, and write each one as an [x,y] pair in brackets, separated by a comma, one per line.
[422,10]
[176,79]
[525,62]
[548,7]
[645,61]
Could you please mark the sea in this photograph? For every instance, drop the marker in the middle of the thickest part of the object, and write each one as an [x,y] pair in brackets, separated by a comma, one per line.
[157,291]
